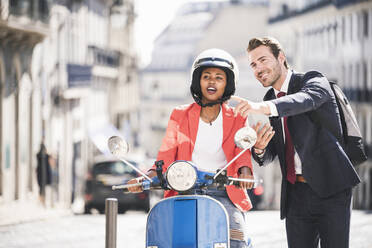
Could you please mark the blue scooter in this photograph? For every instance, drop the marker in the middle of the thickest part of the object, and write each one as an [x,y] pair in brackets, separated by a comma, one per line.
[187,220]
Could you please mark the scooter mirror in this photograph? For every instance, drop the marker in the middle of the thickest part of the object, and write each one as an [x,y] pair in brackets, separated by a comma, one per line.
[245,137]
[118,147]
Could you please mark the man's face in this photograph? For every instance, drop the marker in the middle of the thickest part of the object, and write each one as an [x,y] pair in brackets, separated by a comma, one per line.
[266,68]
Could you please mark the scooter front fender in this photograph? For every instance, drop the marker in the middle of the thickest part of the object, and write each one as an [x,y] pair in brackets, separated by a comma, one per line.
[194,221]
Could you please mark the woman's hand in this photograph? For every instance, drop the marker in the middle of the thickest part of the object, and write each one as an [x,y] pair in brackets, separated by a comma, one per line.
[135,189]
[246,173]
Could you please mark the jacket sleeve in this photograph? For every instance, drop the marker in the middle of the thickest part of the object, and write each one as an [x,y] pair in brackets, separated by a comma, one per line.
[169,145]
[268,156]
[312,95]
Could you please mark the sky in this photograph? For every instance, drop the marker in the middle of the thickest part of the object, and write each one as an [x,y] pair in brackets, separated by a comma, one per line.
[152,18]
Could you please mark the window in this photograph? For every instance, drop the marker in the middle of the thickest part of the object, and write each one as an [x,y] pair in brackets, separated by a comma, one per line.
[364,81]
[343,29]
[369,82]
[357,83]
[365,23]
[368,134]
[350,29]
[334,34]
[344,76]
[350,82]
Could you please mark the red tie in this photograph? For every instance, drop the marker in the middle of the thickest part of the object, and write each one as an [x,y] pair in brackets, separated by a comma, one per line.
[289,150]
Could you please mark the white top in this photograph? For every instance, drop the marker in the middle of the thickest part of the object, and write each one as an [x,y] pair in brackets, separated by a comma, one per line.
[208,154]
[274,112]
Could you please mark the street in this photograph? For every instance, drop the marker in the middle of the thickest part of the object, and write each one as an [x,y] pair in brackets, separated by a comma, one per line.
[89,231]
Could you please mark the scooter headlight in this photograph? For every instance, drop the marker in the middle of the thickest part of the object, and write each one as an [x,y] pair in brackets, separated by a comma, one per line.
[181,176]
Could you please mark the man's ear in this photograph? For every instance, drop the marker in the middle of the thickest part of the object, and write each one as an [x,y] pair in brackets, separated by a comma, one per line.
[281,57]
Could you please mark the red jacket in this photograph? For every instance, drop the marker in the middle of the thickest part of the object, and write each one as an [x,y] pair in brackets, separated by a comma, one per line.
[179,140]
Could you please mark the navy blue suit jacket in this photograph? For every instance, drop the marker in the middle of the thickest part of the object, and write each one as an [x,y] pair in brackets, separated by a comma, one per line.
[325,165]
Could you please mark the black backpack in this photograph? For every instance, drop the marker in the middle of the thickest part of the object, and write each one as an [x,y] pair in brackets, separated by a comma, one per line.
[352,137]
[353,140]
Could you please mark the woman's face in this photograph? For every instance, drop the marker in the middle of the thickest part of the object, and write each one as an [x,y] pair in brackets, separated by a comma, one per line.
[212,84]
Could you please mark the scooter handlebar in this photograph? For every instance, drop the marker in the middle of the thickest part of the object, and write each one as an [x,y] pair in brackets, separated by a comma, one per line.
[125,187]
[145,184]
[236,181]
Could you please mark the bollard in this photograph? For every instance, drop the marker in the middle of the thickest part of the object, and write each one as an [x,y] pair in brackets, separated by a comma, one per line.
[111,210]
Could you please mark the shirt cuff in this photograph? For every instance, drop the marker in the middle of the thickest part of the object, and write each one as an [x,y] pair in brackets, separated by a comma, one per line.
[273,110]
[261,155]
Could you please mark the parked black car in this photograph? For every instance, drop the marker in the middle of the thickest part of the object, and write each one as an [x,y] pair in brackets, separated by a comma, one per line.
[105,173]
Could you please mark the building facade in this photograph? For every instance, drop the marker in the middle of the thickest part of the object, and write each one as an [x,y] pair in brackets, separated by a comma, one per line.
[23,24]
[68,79]
[89,66]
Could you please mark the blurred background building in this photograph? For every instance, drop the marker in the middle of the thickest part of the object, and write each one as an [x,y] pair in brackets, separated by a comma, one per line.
[69,77]
[23,24]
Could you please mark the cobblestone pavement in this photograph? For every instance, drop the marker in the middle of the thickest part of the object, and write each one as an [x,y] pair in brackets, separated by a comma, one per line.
[89,231]
[267,230]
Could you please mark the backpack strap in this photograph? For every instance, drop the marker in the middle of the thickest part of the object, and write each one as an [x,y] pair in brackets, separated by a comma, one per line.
[337,91]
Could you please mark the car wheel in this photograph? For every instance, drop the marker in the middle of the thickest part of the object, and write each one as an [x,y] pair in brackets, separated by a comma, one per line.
[101,210]
[146,205]
[146,208]
[87,209]
[122,210]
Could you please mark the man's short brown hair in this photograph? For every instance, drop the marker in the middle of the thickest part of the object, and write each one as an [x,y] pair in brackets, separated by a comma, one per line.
[270,42]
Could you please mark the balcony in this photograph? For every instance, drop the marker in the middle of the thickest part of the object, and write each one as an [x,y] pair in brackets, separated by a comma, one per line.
[342,3]
[35,10]
[288,11]
[24,21]
[103,57]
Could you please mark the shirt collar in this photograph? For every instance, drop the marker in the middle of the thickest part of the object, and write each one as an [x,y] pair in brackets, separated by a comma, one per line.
[285,85]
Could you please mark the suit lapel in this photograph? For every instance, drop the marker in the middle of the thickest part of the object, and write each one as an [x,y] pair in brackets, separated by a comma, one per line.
[292,85]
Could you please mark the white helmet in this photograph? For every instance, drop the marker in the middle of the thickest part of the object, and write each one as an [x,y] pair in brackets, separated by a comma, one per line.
[214,58]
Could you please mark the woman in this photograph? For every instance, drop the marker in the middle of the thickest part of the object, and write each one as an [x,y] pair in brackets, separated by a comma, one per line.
[203,132]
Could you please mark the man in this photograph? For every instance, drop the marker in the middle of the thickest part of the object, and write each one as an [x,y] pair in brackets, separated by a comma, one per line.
[43,171]
[317,176]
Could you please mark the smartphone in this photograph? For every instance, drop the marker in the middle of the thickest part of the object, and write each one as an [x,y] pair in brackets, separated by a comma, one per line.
[254,118]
